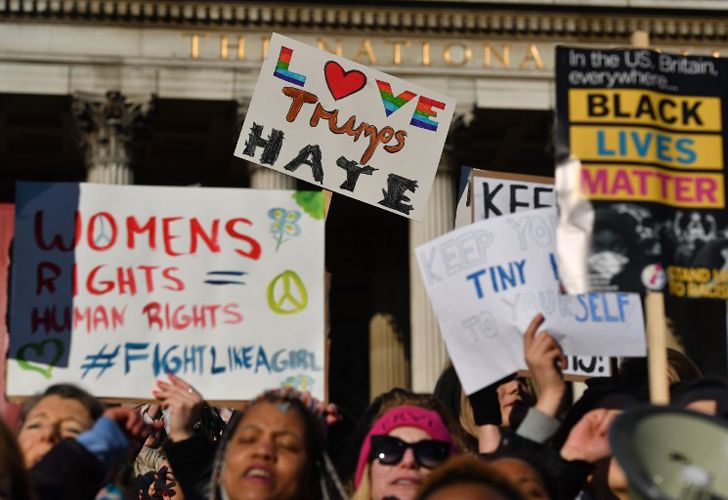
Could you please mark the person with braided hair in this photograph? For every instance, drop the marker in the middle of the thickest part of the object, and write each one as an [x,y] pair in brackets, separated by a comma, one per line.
[272,450]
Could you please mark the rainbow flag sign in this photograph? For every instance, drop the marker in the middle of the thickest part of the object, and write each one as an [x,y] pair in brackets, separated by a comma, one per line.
[348,128]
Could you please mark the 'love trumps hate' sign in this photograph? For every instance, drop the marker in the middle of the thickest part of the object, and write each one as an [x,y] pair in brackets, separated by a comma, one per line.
[348,128]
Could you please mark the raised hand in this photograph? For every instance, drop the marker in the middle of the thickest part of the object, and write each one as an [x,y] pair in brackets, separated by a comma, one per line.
[184,405]
[131,423]
[332,415]
[544,359]
[588,439]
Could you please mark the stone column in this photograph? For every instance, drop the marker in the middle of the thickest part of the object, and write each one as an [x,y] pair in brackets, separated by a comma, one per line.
[388,364]
[428,349]
[266,178]
[109,129]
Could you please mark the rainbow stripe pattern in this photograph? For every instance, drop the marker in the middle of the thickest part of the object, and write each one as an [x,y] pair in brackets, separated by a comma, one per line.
[281,71]
[424,113]
[392,103]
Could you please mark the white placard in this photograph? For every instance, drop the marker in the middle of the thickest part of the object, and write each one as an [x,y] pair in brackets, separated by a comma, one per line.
[222,286]
[488,280]
[498,193]
[349,128]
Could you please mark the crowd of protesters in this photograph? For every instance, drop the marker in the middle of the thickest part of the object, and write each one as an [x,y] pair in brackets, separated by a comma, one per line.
[517,439]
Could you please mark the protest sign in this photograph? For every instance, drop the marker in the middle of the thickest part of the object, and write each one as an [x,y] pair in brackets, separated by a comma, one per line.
[348,128]
[487,281]
[498,193]
[464,204]
[123,284]
[640,181]
[7,215]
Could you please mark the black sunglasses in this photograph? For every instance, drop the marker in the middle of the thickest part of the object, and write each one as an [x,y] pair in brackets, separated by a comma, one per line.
[389,450]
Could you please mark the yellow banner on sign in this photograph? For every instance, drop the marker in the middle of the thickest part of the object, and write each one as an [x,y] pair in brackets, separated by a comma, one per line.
[640,144]
[645,107]
[644,183]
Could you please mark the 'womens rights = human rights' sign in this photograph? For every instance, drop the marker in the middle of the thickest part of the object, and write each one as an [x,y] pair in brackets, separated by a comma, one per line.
[348,128]
[117,285]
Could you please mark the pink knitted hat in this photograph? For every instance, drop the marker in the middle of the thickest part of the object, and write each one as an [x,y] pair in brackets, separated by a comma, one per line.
[403,416]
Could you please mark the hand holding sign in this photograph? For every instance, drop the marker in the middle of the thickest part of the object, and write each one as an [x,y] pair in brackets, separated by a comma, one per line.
[545,359]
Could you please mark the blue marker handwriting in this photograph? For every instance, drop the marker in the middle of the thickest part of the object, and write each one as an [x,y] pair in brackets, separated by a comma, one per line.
[499,277]
[584,308]
[197,359]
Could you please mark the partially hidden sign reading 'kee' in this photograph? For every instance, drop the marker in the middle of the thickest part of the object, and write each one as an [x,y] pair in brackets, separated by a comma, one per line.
[122,284]
[348,128]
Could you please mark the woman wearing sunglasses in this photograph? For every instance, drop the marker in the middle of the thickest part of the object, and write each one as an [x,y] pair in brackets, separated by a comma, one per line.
[399,451]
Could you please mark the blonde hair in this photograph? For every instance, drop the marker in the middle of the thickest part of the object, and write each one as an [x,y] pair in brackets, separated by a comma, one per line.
[364,491]
[466,417]
[423,400]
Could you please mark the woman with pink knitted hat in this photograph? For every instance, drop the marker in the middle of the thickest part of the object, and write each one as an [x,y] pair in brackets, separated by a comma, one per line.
[401,448]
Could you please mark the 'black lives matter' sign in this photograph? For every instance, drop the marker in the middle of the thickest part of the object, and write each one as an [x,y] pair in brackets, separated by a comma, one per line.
[640,172]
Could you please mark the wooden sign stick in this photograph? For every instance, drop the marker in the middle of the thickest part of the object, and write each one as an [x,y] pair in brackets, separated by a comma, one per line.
[655,312]
[657,348]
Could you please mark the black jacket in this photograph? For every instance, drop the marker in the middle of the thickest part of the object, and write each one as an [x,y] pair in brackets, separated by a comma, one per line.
[192,461]
[67,471]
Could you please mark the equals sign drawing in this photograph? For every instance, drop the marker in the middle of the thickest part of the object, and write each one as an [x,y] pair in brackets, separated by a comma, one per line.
[225,277]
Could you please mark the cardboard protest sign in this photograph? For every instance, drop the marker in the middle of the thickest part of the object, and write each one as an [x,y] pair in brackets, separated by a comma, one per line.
[488,280]
[122,284]
[640,172]
[351,129]
[498,193]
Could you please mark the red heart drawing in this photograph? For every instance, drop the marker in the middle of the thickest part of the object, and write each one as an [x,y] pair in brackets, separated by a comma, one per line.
[343,83]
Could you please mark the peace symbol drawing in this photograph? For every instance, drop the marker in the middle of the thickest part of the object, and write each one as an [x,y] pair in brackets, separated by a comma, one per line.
[287,294]
[100,238]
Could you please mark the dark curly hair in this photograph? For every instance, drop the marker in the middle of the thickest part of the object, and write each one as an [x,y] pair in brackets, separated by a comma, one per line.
[318,465]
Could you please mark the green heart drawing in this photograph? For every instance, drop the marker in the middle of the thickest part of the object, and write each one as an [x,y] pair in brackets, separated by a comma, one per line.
[39,348]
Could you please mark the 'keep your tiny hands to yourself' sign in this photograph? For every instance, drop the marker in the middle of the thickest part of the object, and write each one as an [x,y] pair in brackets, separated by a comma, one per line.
[488,280]
[499,193]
